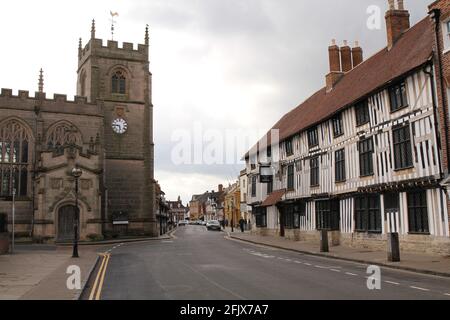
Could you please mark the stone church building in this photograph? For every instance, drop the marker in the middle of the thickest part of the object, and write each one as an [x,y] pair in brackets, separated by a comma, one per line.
[107,132]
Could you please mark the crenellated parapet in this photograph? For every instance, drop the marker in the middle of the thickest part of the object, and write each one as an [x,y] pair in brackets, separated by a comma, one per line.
[112,49]
[59,102]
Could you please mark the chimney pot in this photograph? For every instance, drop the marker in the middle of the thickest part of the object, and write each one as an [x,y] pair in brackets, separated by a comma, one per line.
[334,58]
[357,55]
[397,21]
[346,57]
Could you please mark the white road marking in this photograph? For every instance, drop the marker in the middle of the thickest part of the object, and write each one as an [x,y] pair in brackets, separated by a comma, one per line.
[299,262]
[351,274]
[335,270]
[418,288]
[308,264]
[289,260]
[447,294]
[321,267]
[392,282]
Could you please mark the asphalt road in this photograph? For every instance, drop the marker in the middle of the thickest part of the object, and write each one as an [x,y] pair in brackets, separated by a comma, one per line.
[203,265]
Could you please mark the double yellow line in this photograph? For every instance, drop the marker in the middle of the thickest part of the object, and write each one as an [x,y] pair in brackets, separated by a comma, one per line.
[98,284]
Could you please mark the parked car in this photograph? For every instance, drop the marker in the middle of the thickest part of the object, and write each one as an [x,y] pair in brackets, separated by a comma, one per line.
[213,225]
[203,223]
[183,223]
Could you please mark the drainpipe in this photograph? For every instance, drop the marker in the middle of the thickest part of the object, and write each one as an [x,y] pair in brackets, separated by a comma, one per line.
[428,70]
[435,15]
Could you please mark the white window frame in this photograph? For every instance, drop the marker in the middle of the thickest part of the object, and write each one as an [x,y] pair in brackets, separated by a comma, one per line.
[446,35]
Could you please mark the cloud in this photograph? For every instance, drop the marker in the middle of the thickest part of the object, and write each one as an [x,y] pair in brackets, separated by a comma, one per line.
[225,64]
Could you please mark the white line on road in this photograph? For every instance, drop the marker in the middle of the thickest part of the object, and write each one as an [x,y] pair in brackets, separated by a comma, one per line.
[308,264]
[335,270]
[299,262]
[418,288]
[289,260]
[447,294]
[321,267]
[392,282]
[351,274]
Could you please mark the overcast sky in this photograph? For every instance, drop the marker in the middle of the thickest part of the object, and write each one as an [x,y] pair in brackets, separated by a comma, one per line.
[216,64]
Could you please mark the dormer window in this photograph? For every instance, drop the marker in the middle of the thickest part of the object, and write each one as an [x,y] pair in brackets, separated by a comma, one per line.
[118,82]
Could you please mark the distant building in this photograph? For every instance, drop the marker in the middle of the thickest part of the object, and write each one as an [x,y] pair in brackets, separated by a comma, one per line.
[207,206]
[177,209]
[232,204]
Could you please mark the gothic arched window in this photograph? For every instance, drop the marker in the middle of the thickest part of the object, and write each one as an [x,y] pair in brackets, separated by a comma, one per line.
[15,159]
[118,82]
[61,136]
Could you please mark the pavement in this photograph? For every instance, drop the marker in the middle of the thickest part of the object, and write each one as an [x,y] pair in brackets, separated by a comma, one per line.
[39,271]
[205,265]
[422,263]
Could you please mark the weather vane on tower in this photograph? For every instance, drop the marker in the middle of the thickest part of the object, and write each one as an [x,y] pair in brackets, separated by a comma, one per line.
[113,14]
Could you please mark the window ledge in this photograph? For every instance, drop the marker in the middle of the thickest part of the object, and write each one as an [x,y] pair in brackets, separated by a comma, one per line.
[362,124]
[404,169]
[399,109]
[419,233]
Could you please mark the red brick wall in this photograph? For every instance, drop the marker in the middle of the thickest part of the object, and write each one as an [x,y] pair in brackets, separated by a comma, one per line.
[443,99]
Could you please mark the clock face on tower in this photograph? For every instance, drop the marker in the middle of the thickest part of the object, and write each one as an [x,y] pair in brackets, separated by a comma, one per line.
[119,126]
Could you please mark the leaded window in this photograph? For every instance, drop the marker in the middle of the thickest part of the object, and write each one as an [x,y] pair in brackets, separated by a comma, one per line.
[366,157]
[260,217]
[289,148]
[254,186]
[118,84]
[402,148]
[314,166]
[418,212]
[327,215]
[397,96]
[313,137]
[15,159]
[368,213]
[362,113]
[291,215]
[290,177]
[338,128]
[340,165]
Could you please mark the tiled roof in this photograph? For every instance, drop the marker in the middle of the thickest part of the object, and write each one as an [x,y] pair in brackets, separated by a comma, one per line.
[412,50]
[273,198]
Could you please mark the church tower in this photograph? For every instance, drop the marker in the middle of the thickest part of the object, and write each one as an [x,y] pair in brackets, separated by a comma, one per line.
[118,79]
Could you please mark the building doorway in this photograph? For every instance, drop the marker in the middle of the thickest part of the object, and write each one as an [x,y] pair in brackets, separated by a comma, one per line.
[66,220]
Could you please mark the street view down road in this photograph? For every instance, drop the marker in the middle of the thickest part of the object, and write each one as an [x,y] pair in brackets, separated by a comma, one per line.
[204,265]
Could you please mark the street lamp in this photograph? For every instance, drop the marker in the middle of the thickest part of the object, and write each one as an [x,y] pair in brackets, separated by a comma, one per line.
[232,215]
[76,173]
[14,191]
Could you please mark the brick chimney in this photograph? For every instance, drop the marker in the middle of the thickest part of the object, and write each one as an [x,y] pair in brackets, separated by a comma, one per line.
[346,57]
[335,66]
[357,55]
[397,21]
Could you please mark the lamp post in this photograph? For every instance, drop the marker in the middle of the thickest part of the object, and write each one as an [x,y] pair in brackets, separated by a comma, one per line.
[232,215]
[76,173]
[13,218]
